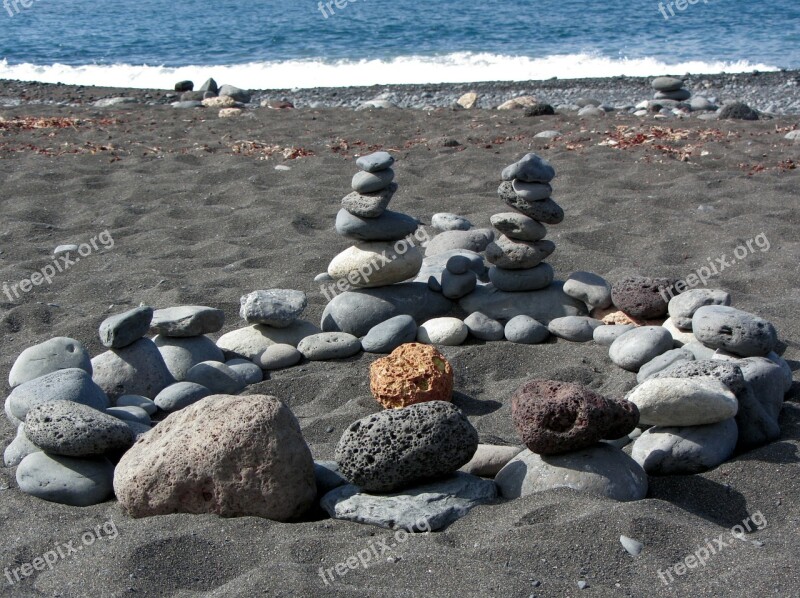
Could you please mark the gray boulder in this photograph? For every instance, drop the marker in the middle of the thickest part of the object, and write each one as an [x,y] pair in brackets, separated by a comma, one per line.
[179,395]
[483,327]
[686,450]
[471,240]
[638,346]
[217,377]
[682,307]
[577,329]
[137,369]
[329,345]
[734,330]
[274,307]
[662,362]
[601,470]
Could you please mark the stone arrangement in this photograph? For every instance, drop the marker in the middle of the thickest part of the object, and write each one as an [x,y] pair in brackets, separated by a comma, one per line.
[670,88]
[135,420]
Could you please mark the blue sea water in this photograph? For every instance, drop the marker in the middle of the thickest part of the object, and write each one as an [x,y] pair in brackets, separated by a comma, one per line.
[305,43]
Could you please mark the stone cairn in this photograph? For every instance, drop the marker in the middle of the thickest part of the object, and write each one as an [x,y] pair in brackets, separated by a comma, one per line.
[518,255]
[380,257]
[670,88]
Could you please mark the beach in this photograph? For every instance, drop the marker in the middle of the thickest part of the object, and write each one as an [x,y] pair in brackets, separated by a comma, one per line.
[194,212]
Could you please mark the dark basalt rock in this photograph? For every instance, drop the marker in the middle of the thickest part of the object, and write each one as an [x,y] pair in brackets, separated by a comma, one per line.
[643,297]
[397,448]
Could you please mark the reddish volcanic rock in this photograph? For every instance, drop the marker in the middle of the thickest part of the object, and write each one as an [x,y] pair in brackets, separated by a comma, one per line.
[556,417]
[642,297]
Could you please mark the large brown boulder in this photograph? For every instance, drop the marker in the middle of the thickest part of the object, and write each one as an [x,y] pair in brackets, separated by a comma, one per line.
[556,417]
[412,373]
[228,455]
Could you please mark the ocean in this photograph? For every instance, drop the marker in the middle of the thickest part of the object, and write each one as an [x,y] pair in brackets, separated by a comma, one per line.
[267,44]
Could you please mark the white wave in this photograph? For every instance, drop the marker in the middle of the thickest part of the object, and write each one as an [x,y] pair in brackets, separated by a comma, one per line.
[459,67]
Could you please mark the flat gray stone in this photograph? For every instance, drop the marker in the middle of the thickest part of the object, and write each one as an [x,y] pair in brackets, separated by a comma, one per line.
[532,279]
[734,330]
[389,226]
[369,205]
[525,330]
[74,430]
[667,83]
[530,168]
[187,320]
[484,328]
[546,210]
[249,371]
[686,450]
[601,470]
[329,345]
[274,307]
[518,255]
[474,240]
[66,480]
[181,354]
[126,328]
[606,335]
[375,161]
[19,448]
[356,312]
[370,182]
[593,290]
[279,356]
[63,385]
[638,346]
[137,401]
[444,221]
[387,336]
[542,305]
[60,353]
[518,226]
[577,329]
[216,377]
[424,508]
[137,369]
[179,395]
[240,95]
[678,95]
[682,307]
[531,191]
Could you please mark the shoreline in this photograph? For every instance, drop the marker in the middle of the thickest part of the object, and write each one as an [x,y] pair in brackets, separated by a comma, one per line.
[775,92]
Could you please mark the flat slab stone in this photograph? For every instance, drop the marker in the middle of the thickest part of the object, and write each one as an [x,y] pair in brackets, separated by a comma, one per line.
[420,509]
[389,226]
[274,307]
[542,305]
[375,161]
[187,320]
[63,385]
[250,342]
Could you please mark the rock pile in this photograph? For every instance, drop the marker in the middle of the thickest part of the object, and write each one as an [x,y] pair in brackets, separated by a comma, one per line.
[670,88]
[380,257]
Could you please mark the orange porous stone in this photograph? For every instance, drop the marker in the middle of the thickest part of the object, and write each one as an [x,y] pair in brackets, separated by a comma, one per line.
[412,373]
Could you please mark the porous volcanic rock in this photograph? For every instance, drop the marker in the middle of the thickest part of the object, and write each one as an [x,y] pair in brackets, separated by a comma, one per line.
[412,373]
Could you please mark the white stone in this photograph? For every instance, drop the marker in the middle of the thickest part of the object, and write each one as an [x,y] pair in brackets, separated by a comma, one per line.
[443,331]
[680,337]
[683,401]
[376,264]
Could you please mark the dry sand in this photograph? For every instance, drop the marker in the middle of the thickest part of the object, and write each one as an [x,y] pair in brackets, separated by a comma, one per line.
[193,222]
